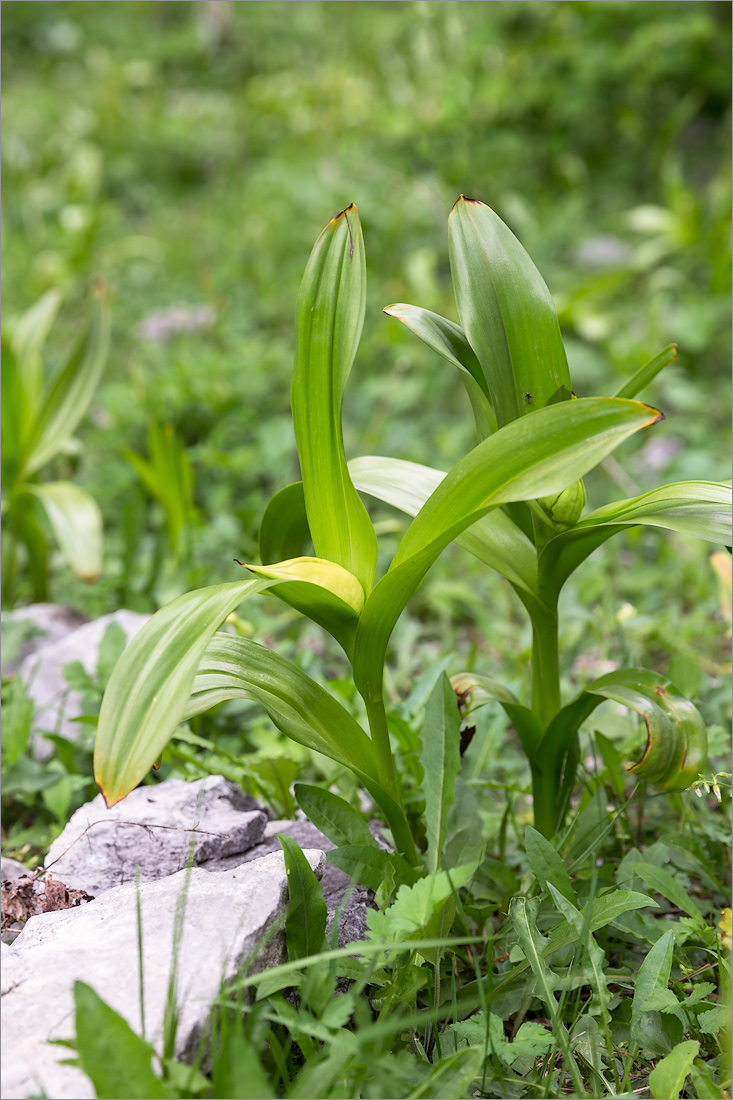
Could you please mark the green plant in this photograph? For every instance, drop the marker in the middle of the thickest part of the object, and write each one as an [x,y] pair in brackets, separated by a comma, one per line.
[40,411]
[515,500]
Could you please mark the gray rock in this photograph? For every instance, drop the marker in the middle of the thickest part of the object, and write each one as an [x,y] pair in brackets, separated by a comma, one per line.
[42,672]
[12,869]
[233,922]
[37,624]
[228,823]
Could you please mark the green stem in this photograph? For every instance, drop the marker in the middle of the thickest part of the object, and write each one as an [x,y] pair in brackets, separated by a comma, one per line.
[546,702]
[395,813]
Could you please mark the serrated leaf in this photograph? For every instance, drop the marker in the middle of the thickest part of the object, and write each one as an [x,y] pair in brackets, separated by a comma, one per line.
[441,761]
[76,522]
[416,908]
[668,1077]
[523,915]
[336,819]
[305,924]
[604,910]
[506,312]
[329,319]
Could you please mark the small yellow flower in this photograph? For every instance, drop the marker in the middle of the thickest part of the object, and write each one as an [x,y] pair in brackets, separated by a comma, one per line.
[726,929]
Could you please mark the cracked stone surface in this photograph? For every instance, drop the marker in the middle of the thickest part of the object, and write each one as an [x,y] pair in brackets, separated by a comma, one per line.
[233,918]
[228,823]
[42,673]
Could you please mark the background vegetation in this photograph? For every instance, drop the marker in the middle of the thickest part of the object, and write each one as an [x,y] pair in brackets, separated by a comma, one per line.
[189,154]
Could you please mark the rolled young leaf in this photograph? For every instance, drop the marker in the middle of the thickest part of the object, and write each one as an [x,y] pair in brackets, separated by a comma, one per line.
[322,590]
[329,316]
[676,746]
[531,457]
[149,689]
[506,312]
[77,524]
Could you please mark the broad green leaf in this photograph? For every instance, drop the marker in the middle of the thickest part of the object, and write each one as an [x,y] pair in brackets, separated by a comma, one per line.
[449,340]
[450,1079]
[547,865]
[506,312]
[117,1061]
[330,315]
[234,668]
[667,885]
[703,1082]
[699,508]
[440,758]
[495,539]
[531,457]
[284,531]
[368,864]
[333,815]
[668,1077]
[676,746]
[476,691]
[16,415]
[76,522]
[641,378]
[523,915]
[237,668]
[652,980]
[237,1070]
[149,689]
[328,594]
[67,395]
[305,924]
[28,338]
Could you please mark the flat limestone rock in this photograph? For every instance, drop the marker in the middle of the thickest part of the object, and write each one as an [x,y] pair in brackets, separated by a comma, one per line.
[233,923]
[228,823]
[42,673]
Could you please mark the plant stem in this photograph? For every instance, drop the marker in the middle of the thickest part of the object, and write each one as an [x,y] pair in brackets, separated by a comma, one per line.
[395,814]
[546,702]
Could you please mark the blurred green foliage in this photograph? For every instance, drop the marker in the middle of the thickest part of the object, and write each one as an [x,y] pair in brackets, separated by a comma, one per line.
[190,153]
